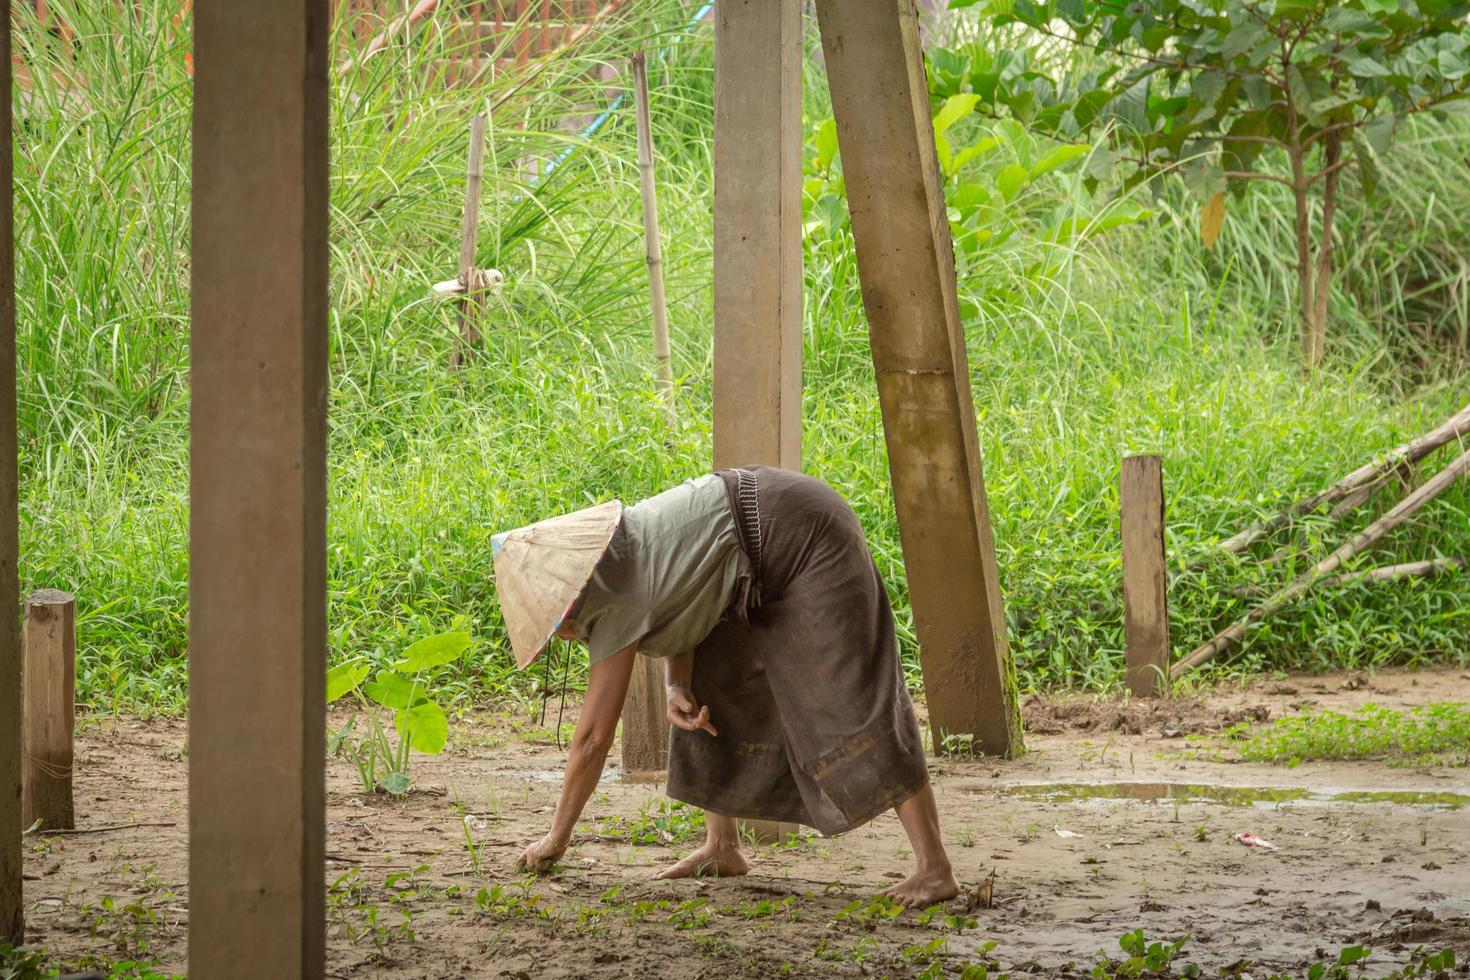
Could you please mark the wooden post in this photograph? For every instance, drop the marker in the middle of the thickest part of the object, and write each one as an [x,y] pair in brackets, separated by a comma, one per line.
[1145,576]
[645,720]
[875,70]
[471,307]
[12,910]
[757,212]
[769,831]
[257,523]
[50,651]
[653,247]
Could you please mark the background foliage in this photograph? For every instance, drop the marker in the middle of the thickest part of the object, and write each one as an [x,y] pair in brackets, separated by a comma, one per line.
[1097,326]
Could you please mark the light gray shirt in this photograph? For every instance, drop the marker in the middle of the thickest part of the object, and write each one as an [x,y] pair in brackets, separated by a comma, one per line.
[667,577]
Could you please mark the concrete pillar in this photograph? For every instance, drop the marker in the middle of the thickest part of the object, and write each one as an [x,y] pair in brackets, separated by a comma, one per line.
[875,68]
[757,373]
[257,590]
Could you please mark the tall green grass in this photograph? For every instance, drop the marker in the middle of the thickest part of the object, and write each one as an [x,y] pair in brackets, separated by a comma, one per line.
[1132,341]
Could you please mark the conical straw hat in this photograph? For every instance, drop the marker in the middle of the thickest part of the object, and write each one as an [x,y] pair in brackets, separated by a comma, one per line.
[541,569]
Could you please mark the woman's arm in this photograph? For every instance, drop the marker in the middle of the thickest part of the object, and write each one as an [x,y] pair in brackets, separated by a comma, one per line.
[684,710]
[607,687]
[679,670]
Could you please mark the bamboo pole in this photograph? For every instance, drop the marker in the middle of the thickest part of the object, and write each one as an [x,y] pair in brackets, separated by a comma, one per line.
[1409,569]
[470,306]
[1364,539]
[1363,478]
[653,247]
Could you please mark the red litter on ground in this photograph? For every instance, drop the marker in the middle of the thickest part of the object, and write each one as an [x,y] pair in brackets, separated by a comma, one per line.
[1251,840]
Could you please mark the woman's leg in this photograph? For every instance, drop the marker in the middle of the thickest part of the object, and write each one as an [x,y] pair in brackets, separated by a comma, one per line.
[933,880]
[720,856]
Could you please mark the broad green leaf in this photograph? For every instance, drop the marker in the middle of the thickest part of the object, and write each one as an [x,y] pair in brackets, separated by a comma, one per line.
[1130,107]
[971,152]
[432,651]
[391,690]
[1258,91]
[1242,38]
[1379,133]
[1295,9]
[1362,66]
[946,154]
[1368,171]
[1207,86]
[955,108]
[1010,180]
[1212,219]
[425,727]
[826,144]
[344,678]
[395,783]
[967,197]
[1058,157]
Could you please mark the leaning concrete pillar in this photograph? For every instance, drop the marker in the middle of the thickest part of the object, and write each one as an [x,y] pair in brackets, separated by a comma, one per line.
[757,212]
[12,920]
[875,68]
[257,586]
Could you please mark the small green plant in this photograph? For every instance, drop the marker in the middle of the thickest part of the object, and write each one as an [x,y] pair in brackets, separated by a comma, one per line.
[870,912]
[22,963]
[418,719]
[1422,964]
[467,821]
[499,902]
[691,914]
[1431,734]
[947,922]
[919,954]
[662,821]
[1143,958]
[126,925]
[767,908]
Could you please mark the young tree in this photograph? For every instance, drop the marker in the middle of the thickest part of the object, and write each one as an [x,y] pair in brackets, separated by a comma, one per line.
[1211,88]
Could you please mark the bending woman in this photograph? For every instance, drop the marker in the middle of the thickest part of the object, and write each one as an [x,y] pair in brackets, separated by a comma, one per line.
[787,700]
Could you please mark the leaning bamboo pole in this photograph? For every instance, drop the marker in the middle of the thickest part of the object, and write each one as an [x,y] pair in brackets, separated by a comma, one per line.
[1364,539]
[1360,482]
[653,248]
[1391,573]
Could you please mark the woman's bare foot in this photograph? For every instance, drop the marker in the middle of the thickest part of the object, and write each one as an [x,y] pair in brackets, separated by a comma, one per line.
[710,861]
[925,887]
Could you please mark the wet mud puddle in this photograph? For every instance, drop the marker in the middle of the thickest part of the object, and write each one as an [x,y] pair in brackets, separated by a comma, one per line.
[1252,796]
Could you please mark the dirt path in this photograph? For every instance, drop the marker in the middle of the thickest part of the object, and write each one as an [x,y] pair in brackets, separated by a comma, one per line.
[1155,852]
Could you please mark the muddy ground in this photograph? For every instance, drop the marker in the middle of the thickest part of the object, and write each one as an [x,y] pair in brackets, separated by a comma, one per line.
[1068,870]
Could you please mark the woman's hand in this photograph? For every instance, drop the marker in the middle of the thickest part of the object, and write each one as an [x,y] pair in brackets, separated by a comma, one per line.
[686,713]
[540,856]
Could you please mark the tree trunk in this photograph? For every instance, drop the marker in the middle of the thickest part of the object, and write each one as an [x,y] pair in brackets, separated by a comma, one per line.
[1322,289]
[1307,306]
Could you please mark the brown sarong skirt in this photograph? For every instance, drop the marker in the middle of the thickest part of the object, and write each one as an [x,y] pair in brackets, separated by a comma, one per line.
[806,688]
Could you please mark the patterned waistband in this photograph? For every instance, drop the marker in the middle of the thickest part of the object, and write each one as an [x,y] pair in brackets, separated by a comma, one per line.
[748,503]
